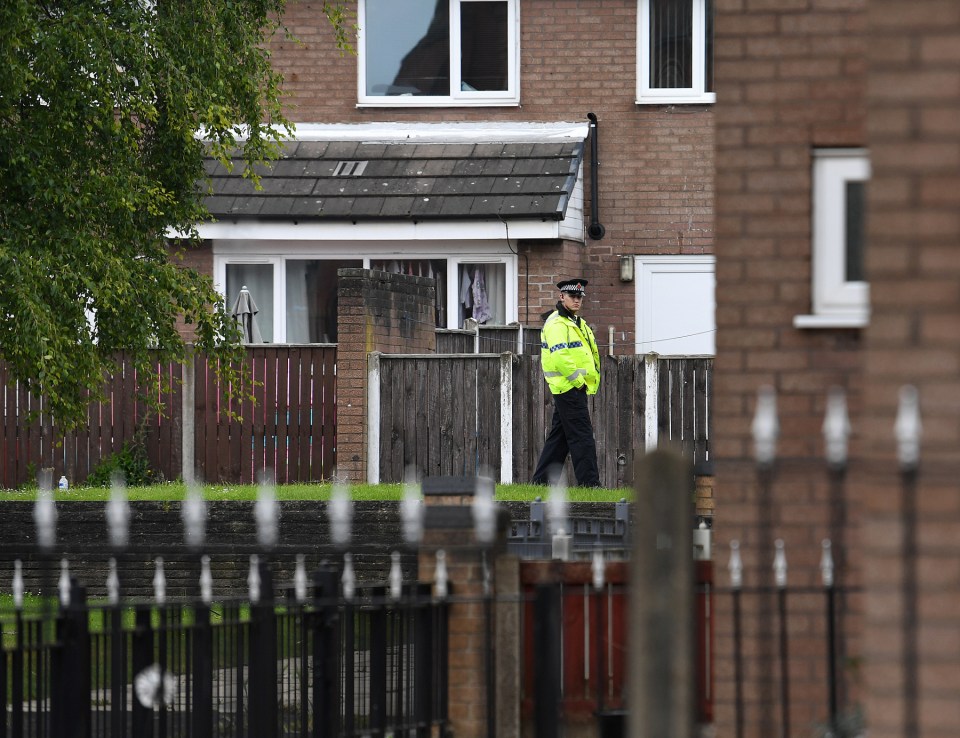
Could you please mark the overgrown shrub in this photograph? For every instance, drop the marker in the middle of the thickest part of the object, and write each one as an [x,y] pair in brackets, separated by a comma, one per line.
[130,463]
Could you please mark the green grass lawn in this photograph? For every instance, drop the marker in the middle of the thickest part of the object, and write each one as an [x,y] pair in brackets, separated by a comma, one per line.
[174,491]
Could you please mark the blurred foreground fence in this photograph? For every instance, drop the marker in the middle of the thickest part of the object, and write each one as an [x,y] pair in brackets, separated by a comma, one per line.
[367,661]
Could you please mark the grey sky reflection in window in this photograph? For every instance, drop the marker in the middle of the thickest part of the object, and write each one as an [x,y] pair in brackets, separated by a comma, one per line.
[408,52]
[407,47]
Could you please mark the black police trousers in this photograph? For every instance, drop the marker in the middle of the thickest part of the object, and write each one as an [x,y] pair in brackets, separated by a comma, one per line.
[570,432]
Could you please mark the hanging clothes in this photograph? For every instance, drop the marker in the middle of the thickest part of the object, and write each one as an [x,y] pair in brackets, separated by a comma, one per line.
[481,302]
[466,294]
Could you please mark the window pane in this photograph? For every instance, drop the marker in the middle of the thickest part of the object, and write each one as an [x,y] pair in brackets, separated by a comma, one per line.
[258,279]
[482,293]
[483,45]
[407,47]
[312,299]
[856,221]
[671,44]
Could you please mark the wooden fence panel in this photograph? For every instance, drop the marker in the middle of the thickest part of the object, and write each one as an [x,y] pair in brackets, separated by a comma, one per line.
[40,443]
[684,406]
[287,430]
[440,415]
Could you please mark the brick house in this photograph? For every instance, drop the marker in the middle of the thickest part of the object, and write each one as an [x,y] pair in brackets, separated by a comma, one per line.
[465,156]
[822,108]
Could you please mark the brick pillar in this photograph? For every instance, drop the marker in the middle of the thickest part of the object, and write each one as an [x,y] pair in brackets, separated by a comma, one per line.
[377,311]
[483,634]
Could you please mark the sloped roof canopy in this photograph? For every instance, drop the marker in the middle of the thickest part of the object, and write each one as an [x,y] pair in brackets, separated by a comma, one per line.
[344,180]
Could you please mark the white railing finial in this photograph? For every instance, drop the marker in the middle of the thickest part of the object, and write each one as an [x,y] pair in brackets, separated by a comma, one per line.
[441,578]
[411,510]
[118,512]
[765,427]
[735,567]
[194,513]
[340,512]
[266,511]
[780,564]
[826,564]
[836,428]
[908,429]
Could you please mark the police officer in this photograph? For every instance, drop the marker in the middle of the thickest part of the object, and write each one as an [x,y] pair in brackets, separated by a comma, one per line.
[571,366]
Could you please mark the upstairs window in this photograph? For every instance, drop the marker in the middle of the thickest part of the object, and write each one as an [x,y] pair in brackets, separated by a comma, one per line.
[675,51]
[841,295]
[438,52]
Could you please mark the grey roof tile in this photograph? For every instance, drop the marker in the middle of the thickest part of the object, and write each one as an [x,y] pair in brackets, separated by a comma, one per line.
[277,206]
[488,151]
[411,168]
[519,149]
[396,207]
[380,168]
[487,205]
[290,168]
[456,207]
[403,181]
[311,149]
[310,206]
[341,150]
[457,151]
[245,206]
[439,167]
[468,167]
[507,185]
[367,207]
[338,206]
[367,151]
[426,206]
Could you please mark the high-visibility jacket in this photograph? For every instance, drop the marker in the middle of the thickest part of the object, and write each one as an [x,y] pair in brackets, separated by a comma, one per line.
[568,355]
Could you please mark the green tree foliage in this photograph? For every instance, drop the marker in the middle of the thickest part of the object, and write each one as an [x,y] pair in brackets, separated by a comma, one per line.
[101,102]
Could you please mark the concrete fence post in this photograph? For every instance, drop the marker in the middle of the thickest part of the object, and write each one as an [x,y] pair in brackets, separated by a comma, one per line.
[651,410]
[188,404]
[373,417]
[506,418]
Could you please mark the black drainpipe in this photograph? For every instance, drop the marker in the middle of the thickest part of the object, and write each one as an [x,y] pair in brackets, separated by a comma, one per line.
[595,230]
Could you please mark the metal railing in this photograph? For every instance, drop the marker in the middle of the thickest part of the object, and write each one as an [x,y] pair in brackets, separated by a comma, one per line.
[369,660]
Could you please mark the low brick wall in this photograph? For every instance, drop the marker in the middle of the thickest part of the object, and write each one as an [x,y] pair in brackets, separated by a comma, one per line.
[156,528]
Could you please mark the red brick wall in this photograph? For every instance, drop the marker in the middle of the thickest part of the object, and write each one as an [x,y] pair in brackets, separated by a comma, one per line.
[790,78]
[913,338]
[656,174]
[378,311]
[200,258]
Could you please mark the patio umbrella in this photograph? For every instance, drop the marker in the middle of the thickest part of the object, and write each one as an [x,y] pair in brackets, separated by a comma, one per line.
[245,313]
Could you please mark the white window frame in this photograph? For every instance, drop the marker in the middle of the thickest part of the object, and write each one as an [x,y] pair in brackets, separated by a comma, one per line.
[458,97]
[646,268]
[837,302]
[647,95]
[277,254]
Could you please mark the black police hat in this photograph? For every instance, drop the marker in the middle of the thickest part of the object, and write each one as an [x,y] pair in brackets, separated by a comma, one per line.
[572,285]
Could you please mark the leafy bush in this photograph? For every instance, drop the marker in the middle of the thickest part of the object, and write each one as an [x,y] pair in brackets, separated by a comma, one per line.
[130,463]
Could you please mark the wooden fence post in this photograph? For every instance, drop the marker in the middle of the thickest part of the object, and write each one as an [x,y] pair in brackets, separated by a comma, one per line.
[373,417]
[506,418]
[662,677]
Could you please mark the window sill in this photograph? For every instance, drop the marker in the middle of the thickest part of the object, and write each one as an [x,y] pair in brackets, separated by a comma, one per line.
[848,320]
[410,102]
[678,100]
